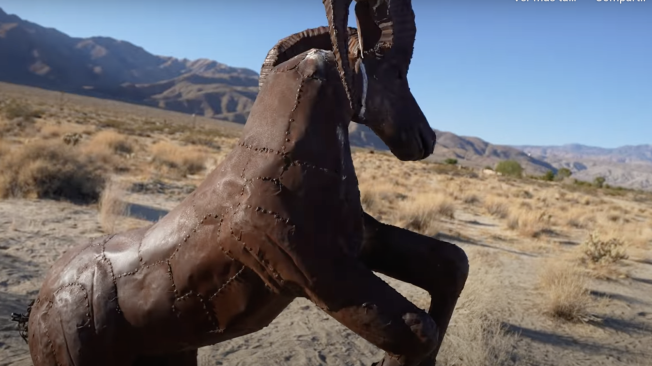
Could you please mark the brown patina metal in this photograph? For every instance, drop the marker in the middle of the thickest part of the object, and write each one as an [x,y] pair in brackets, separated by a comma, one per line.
[280,218]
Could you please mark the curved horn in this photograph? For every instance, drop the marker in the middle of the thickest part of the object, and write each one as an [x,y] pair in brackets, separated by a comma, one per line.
[394,29]
[298,43]
[337,12]
[293,45]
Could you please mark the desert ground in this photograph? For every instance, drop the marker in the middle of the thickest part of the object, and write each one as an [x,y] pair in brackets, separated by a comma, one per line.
[560,273]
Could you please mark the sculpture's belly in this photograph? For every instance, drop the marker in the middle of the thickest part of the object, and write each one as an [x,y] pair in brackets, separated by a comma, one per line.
[197,299]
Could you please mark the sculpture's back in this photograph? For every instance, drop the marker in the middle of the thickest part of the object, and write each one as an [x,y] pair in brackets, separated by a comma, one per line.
[233,254]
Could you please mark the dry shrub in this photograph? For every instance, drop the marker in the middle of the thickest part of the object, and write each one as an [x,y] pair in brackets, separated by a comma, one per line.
[578,218]
[111,206]
[525,205]
[52,130]
[179,160]
[4,150]
[19,118]
[614,217]
[600,251]
[496,207]
[421,214]
[374,196]
[14,109]
[50,169]
[112,141]
[637,235]
[202,138]
[105,146]
[17,127]
[529,223]
[566,291]
[477,335]
[470,199]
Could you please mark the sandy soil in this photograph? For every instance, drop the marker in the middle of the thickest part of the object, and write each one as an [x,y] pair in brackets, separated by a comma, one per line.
[34,233]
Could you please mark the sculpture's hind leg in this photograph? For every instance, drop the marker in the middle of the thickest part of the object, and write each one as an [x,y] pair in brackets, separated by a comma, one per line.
[186,358]
[438,267]
[351,293]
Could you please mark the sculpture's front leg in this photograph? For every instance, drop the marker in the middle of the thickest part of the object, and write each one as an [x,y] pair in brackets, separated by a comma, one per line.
[351,293]
[438,267]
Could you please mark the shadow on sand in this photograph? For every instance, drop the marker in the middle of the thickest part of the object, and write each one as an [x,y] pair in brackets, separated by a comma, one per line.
[456,239]
[567,342]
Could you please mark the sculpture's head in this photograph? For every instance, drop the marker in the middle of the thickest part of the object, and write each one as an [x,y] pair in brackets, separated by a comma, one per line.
[373,62]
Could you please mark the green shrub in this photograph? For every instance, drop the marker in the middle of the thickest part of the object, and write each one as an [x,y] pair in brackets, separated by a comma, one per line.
[510,168]
[599,182]
[563,173]
[581,183]
[450,161]
[549,176]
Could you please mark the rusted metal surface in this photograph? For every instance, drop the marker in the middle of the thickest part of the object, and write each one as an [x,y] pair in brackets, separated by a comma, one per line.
[280,218]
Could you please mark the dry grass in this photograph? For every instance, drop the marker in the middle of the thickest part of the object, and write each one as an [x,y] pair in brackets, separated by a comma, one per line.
[50,169]
[111,206]
[529,223]
[476,335]
[578,218]
[496,207]
[182,161]
[377,196]
[470,199]
[15,109]
[421,214]
[4,149]
[201,138]
[420,196]
[58,130]
[111,141]
[565,288]
[110,148]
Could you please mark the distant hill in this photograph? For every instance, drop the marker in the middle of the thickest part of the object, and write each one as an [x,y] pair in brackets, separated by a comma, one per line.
[108,68]
[105,67]
[626,166]
[624,154]
[469,151]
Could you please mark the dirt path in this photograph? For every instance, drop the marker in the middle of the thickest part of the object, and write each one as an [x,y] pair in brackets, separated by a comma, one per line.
[35,233]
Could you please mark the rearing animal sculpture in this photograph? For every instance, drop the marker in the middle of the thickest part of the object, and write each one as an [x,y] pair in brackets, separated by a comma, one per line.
[280,218]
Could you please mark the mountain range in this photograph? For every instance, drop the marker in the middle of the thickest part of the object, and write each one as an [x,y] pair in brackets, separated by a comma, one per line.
[626,166]
[468,151]
[108,68]
[104,67]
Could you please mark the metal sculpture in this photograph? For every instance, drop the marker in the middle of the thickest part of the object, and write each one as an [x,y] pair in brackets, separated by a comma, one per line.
[280,218]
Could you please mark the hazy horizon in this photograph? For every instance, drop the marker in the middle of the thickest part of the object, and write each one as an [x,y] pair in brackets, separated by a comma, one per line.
[509,72]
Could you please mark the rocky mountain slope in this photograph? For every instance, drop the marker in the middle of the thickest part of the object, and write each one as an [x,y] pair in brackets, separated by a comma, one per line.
[469,151]
[108,68]
[626,166]
[105,67]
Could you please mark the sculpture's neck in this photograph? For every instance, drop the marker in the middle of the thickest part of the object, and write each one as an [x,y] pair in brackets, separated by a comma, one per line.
[303,112]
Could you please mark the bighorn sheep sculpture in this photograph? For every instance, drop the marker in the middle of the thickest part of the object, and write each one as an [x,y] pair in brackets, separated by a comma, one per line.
[280,218]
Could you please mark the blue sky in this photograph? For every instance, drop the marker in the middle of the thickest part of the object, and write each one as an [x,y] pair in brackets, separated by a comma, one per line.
[510,72]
